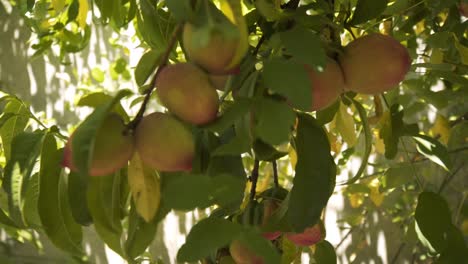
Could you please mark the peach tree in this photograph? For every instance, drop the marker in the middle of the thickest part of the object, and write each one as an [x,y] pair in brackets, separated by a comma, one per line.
[255,112]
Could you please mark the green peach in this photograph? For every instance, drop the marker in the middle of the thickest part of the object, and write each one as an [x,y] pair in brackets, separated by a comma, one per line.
[164,143]
[374,63]
[113,147]
[188,93]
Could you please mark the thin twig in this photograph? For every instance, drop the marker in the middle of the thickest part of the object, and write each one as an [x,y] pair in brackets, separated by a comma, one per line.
[254,179]
[397,254]
[344,238]
[275,173]
[448,179]
[164,60]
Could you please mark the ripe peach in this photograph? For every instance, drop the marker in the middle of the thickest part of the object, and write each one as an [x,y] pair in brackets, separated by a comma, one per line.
[374,63]
[214,54]
[243,255]
[164,143]
[113,147]
[326,85]
[188,93]
[463,8]
[269,208]
[310,236]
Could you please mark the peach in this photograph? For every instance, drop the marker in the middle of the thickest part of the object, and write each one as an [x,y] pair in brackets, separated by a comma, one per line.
[113,147]
[374,63]
[164,143]
[326,85]
[243,255]
[188,93]
[310,236]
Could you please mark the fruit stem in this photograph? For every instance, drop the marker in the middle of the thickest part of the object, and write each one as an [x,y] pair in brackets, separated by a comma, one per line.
[254,179]
[275,173]
[164,59]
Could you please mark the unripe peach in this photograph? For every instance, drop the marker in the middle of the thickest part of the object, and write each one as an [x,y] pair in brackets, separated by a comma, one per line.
[374,63]
[243,255]
[164,143]
[188,93]
[113,147]
[214,54]
[326,85]
[310,236]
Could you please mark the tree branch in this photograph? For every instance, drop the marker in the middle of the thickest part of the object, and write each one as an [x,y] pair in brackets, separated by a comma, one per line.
[254,179]
[275,173]
[164,59]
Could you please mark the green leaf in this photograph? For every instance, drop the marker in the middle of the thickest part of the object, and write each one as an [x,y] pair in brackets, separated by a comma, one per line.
[214,232]
[367,141]
[98,74]
[77,186]
[433,150]
[96,99]
[14,124]
[237,109]
[398,176]
[315,174]
[237,145]
[146,66]
[305,46]
[326,115]
[433,220]
[325,253]
[185,191]
[367,10]
[456,251]
[181,10]
[393,128]
[103,196]
[289,79]
[84,135]
[274,121]
[155,24]
[25,150]
[54,210]
[31,197]
[140,234]
[258,244]
[266,152]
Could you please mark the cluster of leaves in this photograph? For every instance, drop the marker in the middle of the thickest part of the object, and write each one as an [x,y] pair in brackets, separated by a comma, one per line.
[415,159]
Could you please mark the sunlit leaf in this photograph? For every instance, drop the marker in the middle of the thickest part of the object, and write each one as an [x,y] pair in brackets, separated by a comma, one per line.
[433,150]
[145,187]
[54,210]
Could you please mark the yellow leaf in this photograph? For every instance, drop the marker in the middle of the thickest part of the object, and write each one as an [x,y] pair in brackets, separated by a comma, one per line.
[58,5]
[379,144]
[441,127]
[145,187]
[335,145]
[345,125]
[292,157]
[356,199]
[82,13]
[233,10]
[376,196]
